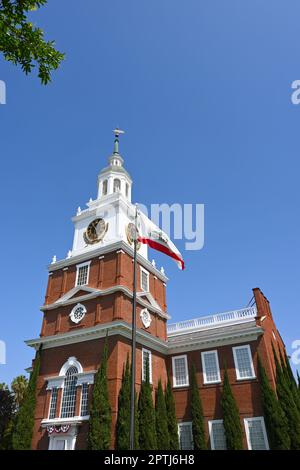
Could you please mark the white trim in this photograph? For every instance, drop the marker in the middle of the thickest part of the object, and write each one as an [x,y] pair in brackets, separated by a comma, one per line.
[210,430]
[104,250]
[58,381]
[186,384]
[237,371]
[71,362]
[72,313]
[121,328]
[143,270]
[92,293]
[203,354]
[263,427]
[190,425]
[207,340]
[62,421]
[145,317]
[81,265]
[150,365]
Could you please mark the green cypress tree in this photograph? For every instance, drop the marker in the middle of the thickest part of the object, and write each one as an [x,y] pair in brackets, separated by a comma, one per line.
[298,378]
[197,414]
[123,420]
[288,404]
[171,416]
[291,379]
[275,419]
[231,417]
[22,435]
[147,428]
[162,430]
[99,436]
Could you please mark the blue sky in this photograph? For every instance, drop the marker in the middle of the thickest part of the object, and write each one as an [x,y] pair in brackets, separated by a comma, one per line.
[202,89]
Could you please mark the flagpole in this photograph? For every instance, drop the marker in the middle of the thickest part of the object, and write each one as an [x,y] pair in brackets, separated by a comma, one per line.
[133,341]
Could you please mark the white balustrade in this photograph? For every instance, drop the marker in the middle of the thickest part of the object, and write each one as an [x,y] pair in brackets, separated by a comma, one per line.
[213,321]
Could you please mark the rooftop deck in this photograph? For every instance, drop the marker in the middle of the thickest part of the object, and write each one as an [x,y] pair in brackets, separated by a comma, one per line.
[212,321]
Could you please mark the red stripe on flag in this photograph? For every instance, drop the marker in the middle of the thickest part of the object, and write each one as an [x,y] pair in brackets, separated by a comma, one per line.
[162,248]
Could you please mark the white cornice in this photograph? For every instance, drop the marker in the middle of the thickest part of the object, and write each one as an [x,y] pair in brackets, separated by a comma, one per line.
[61,421]
[101,292]
[120,245]
[183,343]
[227,337]
[87,334]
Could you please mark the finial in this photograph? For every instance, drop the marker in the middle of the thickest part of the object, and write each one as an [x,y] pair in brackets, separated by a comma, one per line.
[53,259]
[78,210]
[69,254]
[162,270]
[153,263]
[117,132]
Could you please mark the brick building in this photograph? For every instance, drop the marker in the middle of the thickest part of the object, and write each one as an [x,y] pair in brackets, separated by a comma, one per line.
[90,293]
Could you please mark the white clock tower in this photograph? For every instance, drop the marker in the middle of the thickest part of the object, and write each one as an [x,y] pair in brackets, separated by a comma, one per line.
[107,219]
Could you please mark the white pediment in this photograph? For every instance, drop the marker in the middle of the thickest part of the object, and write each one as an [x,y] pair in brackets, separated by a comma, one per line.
[72,293]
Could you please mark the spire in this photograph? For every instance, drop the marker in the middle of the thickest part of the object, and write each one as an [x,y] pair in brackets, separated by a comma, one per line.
[117,132]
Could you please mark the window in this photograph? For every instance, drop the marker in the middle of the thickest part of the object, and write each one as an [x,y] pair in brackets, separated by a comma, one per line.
[127,189]
[210,367]
[69,393]
[185,436]
[104,188]
[243,362]
[53,403]
[217,435]
[256,433]
[180,371]
[84,400]
[117,185]
[146,357]
[82,275]
[144,280]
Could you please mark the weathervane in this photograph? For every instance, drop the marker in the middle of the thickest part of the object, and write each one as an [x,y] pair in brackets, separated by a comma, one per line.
[117,132]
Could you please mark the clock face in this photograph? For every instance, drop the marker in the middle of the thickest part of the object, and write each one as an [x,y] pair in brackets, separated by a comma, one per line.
[95,231]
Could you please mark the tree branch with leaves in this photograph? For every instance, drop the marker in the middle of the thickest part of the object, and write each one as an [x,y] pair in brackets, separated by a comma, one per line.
[23,43]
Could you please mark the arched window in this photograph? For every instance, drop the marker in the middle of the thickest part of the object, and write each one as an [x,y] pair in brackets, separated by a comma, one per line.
[104,188]
[69,394]
[117,185]
[127,189]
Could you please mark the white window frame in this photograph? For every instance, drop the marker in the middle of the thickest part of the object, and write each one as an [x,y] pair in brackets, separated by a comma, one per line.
[256,418]
[81,396]
[203,354]
[78,266]
[237,371]
[148,277]
[144,350]
[186,384]
[210,430]
[56,400]
[190,425]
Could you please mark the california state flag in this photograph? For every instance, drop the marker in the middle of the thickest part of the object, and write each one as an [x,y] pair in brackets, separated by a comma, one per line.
[153,236]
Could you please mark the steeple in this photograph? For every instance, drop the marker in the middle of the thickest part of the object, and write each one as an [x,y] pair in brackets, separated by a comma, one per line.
[114,178]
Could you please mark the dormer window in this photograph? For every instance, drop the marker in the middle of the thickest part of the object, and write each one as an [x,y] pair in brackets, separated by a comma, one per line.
[104,188]
[117,185]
